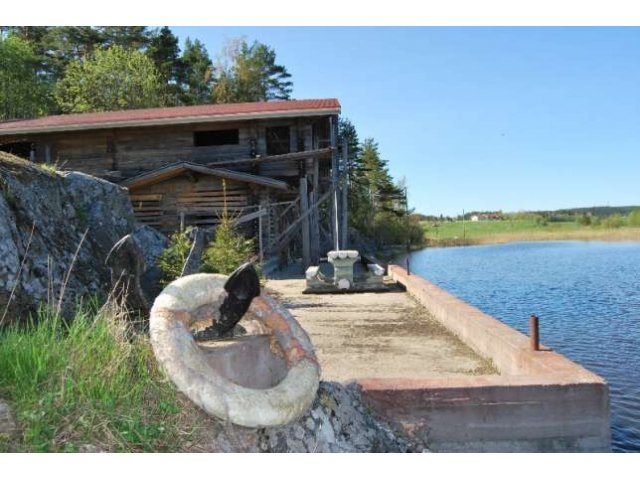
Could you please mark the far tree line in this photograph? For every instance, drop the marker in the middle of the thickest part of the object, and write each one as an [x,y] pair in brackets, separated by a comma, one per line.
[609,217]
[49,70]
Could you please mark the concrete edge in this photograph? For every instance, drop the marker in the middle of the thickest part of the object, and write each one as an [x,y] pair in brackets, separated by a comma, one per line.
[507,348]
[541,402]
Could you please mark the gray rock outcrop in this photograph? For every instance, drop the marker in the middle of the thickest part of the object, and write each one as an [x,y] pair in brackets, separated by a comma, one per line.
[338,422]
[126,263]
[56,230]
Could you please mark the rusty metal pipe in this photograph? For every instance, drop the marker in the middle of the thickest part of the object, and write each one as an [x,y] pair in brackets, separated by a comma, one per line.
[534,333]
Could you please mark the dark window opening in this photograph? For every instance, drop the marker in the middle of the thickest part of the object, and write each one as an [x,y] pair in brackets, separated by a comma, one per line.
[278,140]
[19,149]
[322,134]
[216,137]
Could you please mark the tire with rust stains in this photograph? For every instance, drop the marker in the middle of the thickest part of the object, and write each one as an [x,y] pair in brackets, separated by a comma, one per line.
[187,366]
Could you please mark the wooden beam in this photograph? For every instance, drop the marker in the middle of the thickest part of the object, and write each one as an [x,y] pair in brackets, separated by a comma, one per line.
[261,249]
[344,204]
[320,153]
[292,204]
[249,216]
[174,170]
[146,197]
[304,209]
[315,216]
[283,237]
[334,181]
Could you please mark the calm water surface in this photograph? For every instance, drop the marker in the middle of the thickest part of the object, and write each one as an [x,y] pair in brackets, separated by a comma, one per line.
[587,295]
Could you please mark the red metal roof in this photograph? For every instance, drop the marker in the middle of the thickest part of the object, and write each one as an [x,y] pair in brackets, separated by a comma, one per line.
[171,115]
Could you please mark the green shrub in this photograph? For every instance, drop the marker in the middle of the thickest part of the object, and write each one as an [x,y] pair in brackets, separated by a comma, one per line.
[584,219]
[541,220]
[227,251]
[613,221]
[634,218]
[173,258]
[391,229]
[49,168]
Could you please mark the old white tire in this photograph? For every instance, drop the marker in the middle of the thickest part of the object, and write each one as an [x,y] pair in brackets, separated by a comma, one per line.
[188,368]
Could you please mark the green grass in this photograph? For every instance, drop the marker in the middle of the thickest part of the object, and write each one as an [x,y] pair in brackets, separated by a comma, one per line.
[49,168]
[500,231]
[91,381]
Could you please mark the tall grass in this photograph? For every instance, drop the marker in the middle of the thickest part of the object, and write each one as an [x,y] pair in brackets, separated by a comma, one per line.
[502,231]
[90,380]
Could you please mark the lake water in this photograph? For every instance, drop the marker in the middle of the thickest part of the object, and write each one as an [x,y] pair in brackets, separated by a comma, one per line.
[586,294]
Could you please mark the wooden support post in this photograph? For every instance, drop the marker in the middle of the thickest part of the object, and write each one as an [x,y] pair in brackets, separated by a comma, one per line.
[283,237]
[260,239]
[304,207]
[334,181]
[336,218]
[315,216]
[344,204]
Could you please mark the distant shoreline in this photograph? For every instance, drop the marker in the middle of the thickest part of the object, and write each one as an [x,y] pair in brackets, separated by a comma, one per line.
[623,234]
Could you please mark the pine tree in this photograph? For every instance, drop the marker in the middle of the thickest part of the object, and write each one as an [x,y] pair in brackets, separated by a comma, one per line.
[174,257]
[249,73]
[379,183]
[165,53]
[196,74]
[131,38]
[229,249]
[358,200]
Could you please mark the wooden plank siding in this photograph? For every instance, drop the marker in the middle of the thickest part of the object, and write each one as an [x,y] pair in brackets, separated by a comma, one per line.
[200,198]
[131,151]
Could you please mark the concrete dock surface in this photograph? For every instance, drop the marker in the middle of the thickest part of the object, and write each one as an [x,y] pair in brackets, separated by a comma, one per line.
[376,335]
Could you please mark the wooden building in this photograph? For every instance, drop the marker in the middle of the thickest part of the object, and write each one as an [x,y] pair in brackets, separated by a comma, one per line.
[274,166]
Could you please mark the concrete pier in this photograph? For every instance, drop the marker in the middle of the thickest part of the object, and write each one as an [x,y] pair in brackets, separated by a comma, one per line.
[447,373]
[540,402]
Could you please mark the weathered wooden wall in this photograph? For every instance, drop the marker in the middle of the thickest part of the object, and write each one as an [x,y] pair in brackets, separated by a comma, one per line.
[200,199]
[122,153]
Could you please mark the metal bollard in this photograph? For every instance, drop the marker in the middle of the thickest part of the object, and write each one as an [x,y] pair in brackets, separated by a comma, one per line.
[534,333]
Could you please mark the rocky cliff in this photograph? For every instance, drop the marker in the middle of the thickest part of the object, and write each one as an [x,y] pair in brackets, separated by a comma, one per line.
[56,229]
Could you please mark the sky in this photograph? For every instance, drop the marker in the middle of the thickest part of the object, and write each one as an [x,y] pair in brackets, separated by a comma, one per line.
[478,118]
